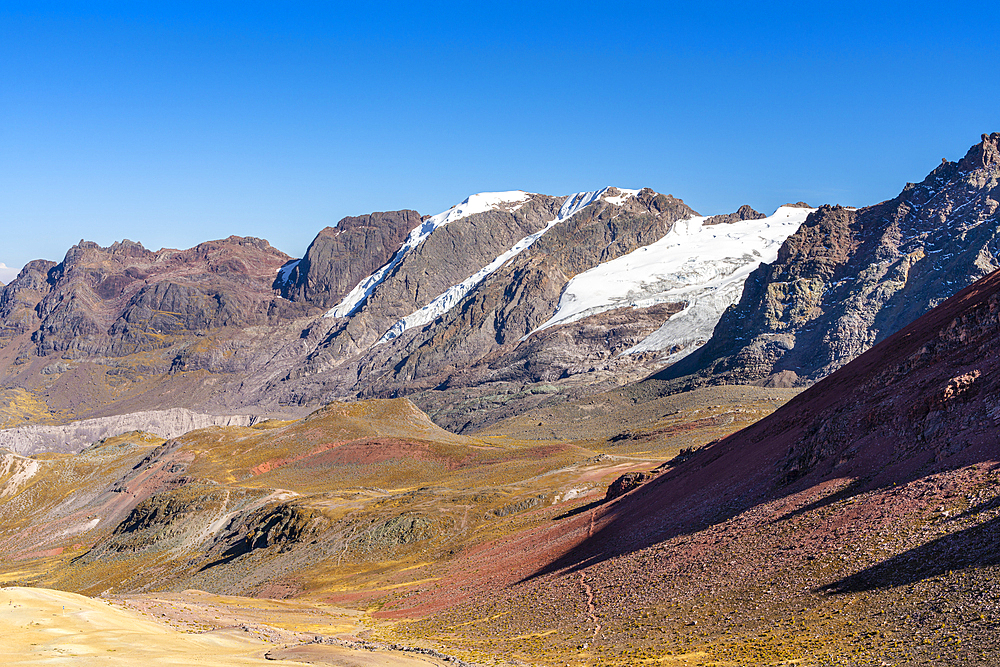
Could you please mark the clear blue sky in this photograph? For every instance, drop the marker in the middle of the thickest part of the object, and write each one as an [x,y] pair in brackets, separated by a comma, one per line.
[175,122]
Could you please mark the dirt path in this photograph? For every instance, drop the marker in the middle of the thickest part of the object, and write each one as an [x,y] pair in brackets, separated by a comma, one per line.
[591,611]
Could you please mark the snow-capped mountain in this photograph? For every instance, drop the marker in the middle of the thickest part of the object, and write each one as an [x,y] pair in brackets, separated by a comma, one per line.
[574,289]
[448,299]
[849,278]
[702,266]
[504,302]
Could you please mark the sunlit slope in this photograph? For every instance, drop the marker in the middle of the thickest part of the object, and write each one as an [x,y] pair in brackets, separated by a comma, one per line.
[357,499]
[40,626]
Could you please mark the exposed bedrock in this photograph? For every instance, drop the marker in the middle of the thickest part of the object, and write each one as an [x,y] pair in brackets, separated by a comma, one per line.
[74,436]
[849,278]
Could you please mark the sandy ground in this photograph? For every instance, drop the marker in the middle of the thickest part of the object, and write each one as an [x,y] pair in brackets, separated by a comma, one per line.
[46,627]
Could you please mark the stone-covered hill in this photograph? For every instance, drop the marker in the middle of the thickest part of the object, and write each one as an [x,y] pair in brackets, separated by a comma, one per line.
[849,278]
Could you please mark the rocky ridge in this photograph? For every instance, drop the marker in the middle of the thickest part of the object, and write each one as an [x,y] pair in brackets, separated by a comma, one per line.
[389,304]
[849,278]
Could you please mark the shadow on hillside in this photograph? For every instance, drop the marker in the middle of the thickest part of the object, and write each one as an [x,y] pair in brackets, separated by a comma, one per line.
[972,547]
[241,548]
[871,419]
[656,512]
[849,491]
[639,521]
[580,510]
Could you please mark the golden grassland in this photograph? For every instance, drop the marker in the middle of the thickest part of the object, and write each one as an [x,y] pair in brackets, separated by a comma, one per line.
[378,503]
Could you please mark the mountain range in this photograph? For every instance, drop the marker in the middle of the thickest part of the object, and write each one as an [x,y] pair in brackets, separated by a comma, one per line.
[595,429]
[506,302]
[480,312]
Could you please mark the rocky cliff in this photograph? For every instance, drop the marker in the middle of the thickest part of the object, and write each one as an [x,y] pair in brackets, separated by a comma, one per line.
[849,278]
[340,257]
[74,436]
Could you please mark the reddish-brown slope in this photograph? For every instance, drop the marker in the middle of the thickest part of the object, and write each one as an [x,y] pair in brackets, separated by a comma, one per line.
[923,401]
[876,488]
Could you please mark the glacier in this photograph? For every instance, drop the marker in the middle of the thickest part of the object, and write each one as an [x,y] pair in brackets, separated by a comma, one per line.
[448,299]
[703,266]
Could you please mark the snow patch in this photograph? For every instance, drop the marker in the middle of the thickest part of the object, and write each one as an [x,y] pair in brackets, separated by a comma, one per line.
[286,270]
[702,266]
[620,199]
[479,203]
[448,299]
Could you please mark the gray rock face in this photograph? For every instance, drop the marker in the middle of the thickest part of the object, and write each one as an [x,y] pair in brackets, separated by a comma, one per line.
[476,340]
[75,436]
[340,257]
[450,255]
[19,299]
[516,300]
[849,278]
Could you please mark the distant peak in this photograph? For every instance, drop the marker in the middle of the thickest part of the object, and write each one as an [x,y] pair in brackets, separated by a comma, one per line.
[745,212]
[982,155]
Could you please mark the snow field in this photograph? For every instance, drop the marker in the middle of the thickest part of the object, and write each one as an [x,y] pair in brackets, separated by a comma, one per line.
[703,266]
[448,299]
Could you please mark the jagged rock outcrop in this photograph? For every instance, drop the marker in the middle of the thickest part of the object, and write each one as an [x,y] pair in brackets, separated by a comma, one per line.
[19,298]
[125,299]
[744,212]
[340,257]
[849,278]
[625,483]
[450,255]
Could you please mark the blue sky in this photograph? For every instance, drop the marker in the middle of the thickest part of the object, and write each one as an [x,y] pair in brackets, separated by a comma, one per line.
[177,122]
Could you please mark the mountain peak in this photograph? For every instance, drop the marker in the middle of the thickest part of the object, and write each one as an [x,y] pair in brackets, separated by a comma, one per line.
[984,155]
